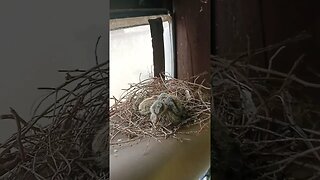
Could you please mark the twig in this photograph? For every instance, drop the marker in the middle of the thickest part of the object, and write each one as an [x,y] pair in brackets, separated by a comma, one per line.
[294,66]
[272,58]
[273,72]
[36,175]
[20,145]
[92,175]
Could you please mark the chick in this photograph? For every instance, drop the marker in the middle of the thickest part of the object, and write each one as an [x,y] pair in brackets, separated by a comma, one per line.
[144,106]
[175,110]
[156,110]
[163,109]
[166,110]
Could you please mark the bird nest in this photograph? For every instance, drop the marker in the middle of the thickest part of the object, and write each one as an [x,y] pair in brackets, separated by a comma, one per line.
[73,112]
[269,116]
[126,119]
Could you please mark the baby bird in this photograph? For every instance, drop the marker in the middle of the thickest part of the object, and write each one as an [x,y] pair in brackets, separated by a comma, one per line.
[144,106]
[163,109]
[175,110]
[156,110]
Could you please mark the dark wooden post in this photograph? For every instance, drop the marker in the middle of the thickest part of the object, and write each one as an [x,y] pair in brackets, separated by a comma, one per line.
[156,29]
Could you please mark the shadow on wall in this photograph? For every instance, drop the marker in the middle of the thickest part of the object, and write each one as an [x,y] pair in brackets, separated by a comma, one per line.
[37,39]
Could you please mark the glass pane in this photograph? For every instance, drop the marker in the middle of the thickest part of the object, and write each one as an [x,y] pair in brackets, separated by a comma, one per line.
[131,56]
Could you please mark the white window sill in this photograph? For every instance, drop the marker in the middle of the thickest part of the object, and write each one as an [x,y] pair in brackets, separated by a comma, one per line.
[168,159]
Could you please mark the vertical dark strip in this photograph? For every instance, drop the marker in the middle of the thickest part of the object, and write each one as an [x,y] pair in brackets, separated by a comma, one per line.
[263,33]
[213,28]
[156,28]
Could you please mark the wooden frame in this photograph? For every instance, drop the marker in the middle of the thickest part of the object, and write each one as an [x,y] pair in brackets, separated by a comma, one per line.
[192,20]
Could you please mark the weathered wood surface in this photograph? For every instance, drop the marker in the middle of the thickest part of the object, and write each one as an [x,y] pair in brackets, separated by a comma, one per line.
[192,20]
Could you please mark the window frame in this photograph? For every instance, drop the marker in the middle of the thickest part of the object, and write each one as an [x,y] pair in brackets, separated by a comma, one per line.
[132,13]
[123,19]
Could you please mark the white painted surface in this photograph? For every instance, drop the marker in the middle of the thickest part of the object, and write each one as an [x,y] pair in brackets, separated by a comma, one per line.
[39,37]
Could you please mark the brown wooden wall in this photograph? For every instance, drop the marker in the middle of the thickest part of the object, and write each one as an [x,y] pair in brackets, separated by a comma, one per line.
[236,23]
[286,18]
[266,22]
[193,35]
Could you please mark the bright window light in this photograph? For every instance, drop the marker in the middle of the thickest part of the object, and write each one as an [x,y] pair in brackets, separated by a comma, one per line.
[131,54]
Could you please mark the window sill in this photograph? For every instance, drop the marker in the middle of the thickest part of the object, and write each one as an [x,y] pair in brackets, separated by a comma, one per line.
[168,159]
